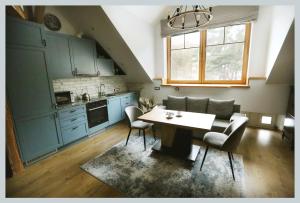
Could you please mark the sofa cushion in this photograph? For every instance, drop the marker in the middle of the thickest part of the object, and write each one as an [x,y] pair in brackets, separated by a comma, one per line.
[223,109]
[198,105]
[176,103]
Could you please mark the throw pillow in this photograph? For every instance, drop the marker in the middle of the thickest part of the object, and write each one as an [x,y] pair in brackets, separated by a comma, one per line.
[223,109]
[176,103]
[198,105]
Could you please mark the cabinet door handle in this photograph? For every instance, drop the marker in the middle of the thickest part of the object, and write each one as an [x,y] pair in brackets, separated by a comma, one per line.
[44,42]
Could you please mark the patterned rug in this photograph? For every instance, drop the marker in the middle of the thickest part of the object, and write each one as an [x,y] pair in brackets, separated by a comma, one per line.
[139,173]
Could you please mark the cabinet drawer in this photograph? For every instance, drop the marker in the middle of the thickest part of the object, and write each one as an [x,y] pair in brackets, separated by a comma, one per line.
[74,132]
[125,101]
[69,112]
[78,118]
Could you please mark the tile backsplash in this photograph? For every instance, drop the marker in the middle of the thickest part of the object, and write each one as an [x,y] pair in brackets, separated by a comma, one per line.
[90,85]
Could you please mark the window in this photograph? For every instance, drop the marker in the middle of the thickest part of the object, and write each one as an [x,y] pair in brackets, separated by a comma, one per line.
[266,120]
[214,56]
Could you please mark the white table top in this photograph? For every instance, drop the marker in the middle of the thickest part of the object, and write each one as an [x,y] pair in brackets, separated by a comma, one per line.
[188,119]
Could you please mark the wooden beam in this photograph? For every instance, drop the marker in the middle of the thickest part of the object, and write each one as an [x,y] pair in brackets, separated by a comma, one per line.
[16,11]
[11,144]
[29,11]
[39,14]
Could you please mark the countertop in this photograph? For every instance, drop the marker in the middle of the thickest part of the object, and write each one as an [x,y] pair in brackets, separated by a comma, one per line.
[81,102]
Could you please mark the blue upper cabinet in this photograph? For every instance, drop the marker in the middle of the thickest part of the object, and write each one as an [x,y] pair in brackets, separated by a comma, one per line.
[24,33]
[105,67]
[58,55]
[27,83]
[83,54]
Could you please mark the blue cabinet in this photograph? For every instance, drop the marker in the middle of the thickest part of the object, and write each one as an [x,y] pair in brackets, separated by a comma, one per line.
[27,83]
[117,104]
[28,90]
[73,123]
[83,54]
[58,56]
[125,101]
[105,67]
[24,33]
[37,136]
[114,110]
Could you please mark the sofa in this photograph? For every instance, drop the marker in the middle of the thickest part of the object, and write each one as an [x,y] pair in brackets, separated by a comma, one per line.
[225,110]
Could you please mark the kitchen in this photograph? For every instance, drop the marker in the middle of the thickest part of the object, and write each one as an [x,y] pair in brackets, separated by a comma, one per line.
[61,89]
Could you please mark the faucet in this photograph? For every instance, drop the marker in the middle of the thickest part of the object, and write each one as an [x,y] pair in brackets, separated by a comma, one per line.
[101,92]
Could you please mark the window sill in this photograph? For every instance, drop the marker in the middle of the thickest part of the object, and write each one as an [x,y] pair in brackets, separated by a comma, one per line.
[209,85]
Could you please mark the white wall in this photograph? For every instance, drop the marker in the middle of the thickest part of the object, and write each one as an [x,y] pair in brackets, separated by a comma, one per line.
[260,97]
[282,18]
[137,33]
[259,42]
[66,25]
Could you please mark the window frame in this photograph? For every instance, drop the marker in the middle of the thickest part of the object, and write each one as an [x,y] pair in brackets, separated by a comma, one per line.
[202,61]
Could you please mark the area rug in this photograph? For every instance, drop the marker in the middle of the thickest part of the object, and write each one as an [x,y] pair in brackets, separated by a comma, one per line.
[138,173]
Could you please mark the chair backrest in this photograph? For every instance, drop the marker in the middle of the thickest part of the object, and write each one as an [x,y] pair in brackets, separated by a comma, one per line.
[235,132]
[132,113]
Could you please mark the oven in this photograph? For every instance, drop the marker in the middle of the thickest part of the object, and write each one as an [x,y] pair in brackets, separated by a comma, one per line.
[96,112]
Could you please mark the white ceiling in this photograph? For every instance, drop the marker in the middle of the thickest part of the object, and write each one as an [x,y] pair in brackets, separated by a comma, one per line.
[149,14]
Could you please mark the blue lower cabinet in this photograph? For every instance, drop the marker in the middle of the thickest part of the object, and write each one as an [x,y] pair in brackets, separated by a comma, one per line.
[133,99]
[125,101]
[116,106]
[114,110]
[73,123]
[38,136]
[74,132]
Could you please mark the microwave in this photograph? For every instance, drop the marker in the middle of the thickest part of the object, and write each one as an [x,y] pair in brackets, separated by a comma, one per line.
[64,97]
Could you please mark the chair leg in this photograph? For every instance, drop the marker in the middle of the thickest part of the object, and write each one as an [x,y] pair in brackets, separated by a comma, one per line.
[139,132]
[231,166]
[128,136]
[204,158]
[153,131]
[144,139]
[232,156]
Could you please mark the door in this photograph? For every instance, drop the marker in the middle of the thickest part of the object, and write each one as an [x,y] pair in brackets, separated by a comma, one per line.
[27,82]
[58,53]
[83,52]
[24,33]
[105,67]
[37,136]
[114,110]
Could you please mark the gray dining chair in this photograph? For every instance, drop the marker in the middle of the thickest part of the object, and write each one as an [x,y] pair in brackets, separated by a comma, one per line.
[132,113]
[227,141]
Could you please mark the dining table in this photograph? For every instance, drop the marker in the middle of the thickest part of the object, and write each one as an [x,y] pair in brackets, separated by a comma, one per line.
[176,129]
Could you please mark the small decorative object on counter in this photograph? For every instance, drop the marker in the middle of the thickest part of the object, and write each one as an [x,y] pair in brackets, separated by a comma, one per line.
[85,97]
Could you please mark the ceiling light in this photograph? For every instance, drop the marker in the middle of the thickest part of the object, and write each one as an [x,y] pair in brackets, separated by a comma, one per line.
[187,17]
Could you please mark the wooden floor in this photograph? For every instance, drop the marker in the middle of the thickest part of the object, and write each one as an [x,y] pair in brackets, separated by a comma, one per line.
[269,168]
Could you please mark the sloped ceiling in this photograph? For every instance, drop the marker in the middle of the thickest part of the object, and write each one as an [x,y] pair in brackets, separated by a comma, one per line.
[93,22]
[283,69]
